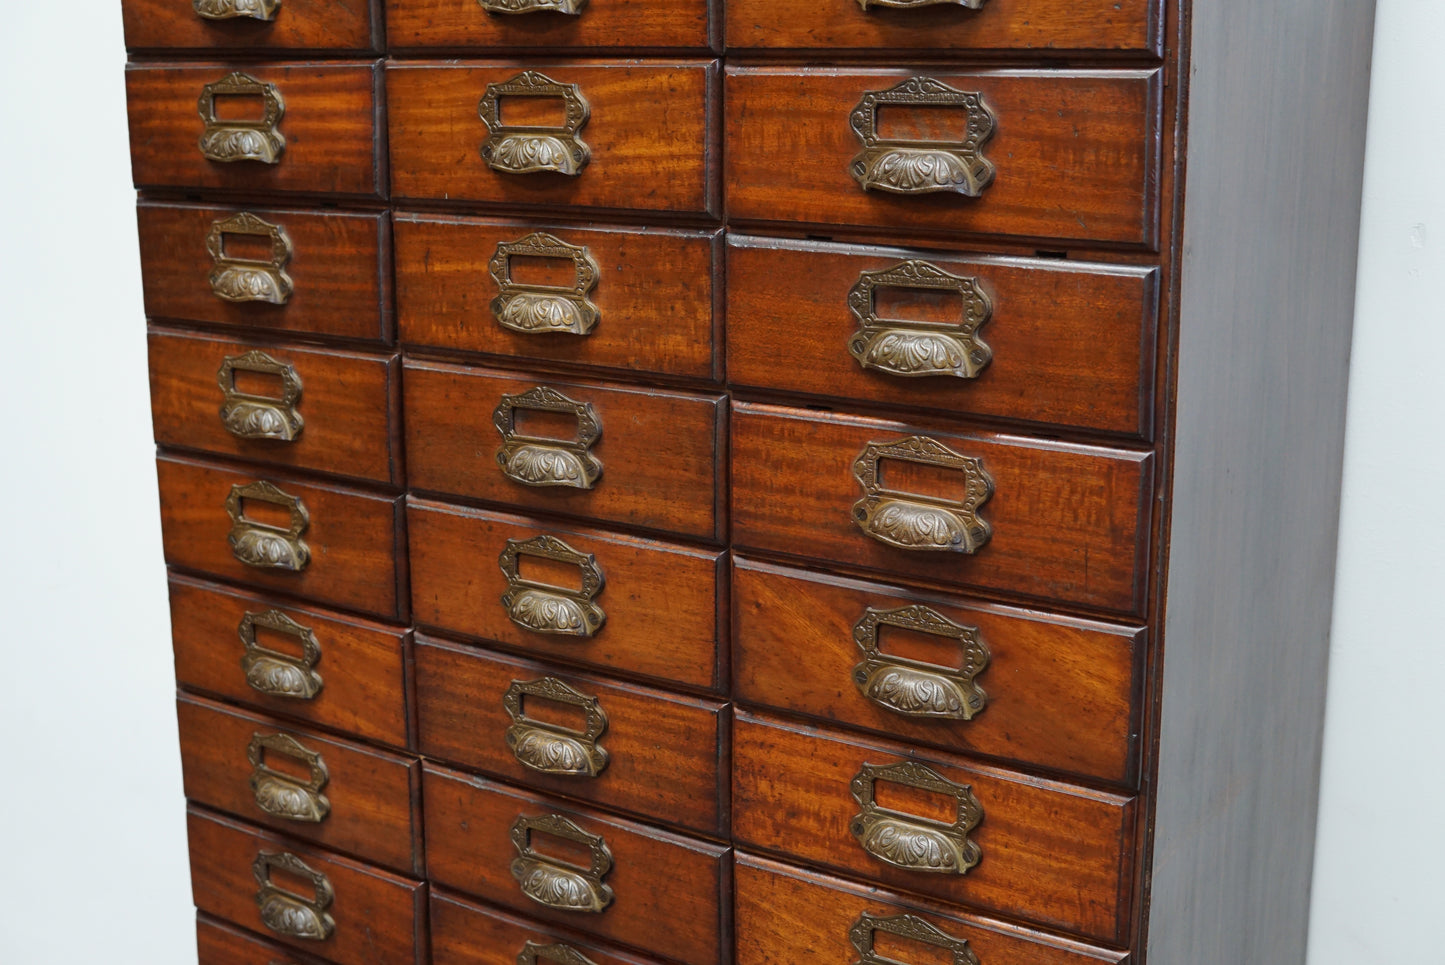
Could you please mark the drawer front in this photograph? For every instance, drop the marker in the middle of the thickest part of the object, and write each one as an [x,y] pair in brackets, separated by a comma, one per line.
[327,278]
[218,943]
[661,604]
[1042,341]
[1064,522]
[325,669]
[374,917]
[785,914]
[647,143]
[655,754]
[336,794]
[345,553]
[324,140]
[566,24]
[1052,692]
[616,298]
[463,933]
[1073,156]
[252,24]
[662,892]
[332,412]
[1053,853]
[616,454]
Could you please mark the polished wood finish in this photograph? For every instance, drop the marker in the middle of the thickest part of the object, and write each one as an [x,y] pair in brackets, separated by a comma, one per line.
[218,943]
[465,933]
[301,25]
[622,23]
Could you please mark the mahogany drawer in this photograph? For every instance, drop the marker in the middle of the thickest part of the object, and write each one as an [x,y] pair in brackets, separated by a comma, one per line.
[786,914]
[553,24]
[662,604]
[1074,155]
[335,794]
[614,453]
[1054,692]
[248,24]
[329,411]
[334,280]
[1058,342]
[377,918]
[649,138]
[1066,522]
[463,933]
[648,752]
[346,553]
[331,140]
[661,892]
[218,943]
[1054,853]
[631,299]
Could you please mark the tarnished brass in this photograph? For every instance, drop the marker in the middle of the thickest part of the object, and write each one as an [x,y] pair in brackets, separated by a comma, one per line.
[912,687]
[553,748]
[531,150]
[534,309]
[542,607]
[272,672]
[555,883]
[532,953]
[231,9]
[913,348]
[245,279]
[923,166]
[915,522]
[285,912]
[912,842]
[281,794]
[538,461]
[248,416]
[915,4]
[263,545]
[569,7]
[909,927]
[244,140]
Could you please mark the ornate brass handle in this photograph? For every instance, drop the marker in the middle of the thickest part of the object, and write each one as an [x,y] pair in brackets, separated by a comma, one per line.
[231,9]
[913,349]
[533,309]
[915,4]
[532,953]
[285,912]
[906,840]
[272,672]
[249,416]
[916,522]
[245,279]
[531,150]
[263,545]
[537,461]
[281,794]
[552,748]
[542,607]
[244,140]
[569,7]
[909,927]
[923,166]
[912,687]
[555,883]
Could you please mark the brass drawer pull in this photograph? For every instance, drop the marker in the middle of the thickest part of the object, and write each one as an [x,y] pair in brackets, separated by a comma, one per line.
[914,688]
[231,9]
[917,522]
[243,140]
[285,912]
[906,840]
[913,349]
[542,607]
[532,953]
[236,279]
[571,8]
[272,672]
[248,416]
[553,882]
[916,4]
[923,166]
[553,748]
[534,309]
[909,927]
[281,794]
[537,461]
[264,545]
[532,150]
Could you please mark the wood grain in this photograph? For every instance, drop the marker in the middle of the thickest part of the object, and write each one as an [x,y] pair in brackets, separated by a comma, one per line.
[302,25]
[218,943]
[620,23]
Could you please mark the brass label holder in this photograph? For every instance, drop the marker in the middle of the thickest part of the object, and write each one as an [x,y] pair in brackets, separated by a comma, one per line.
[231,141]
[541,309]
[532,953]
[236,279]
[916,522]
[552,748]
[543,462]
[287,913]
[263,545]
[923,166]
[914,349]
[915,688]
[235,9]
[542,607]
[555,883]
[248,416]
[535,149]
[906,840]
[571,8]
[863,936]
[281,794]
[272,672]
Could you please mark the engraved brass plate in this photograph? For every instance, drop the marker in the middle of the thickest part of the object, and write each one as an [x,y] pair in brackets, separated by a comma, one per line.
[263,545]
[923,166]
[542,607]
[287,913]
[248,416]
[232,9]
[272,672]
[571,8]
[906,840]
[243,140]
[915,522]
[537,461]
[532,953]
[911,927]
[555,883]
[914,349]
[281,794]
[533,150]
[536,309]
[915,688]
[553,748]
[236,279]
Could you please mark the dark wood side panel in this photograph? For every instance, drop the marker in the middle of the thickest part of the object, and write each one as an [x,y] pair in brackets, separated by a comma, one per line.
[624,23]
[464,933]
[301,25]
